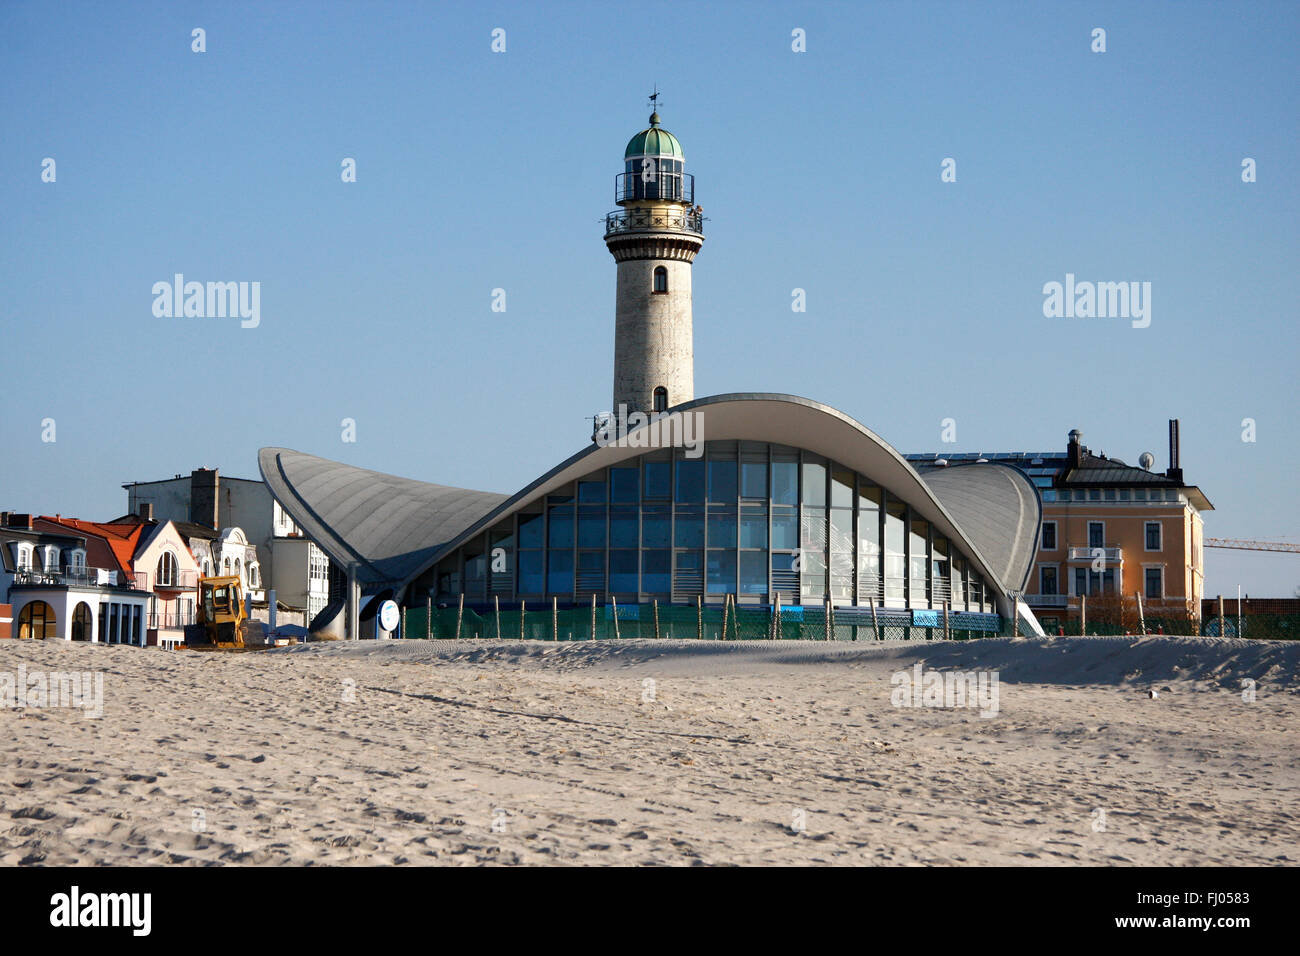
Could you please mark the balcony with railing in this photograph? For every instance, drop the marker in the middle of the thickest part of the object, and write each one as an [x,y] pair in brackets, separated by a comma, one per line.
[684,219]
[1110,554]
[174,580]
[172,617]
[652,184]
[65,577]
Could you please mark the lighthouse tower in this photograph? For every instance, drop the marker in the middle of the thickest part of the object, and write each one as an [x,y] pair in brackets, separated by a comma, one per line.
[654,237]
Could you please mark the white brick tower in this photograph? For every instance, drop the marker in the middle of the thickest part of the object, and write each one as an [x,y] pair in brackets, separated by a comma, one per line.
[653,237]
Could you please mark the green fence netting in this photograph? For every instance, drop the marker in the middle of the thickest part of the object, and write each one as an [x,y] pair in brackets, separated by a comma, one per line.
[687,623]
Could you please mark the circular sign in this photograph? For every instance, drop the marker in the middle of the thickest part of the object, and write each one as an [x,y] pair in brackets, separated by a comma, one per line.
[389,616]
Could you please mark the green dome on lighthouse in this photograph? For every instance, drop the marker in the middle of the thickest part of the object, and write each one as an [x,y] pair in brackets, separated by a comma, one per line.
[654,141]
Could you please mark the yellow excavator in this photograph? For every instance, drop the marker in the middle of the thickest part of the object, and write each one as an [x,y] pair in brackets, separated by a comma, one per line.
[221,620]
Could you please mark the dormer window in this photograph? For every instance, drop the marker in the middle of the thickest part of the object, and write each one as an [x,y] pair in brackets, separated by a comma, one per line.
[661,281]
[24,558]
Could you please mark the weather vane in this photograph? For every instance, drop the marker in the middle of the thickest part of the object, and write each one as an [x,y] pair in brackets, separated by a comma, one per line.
[654,99]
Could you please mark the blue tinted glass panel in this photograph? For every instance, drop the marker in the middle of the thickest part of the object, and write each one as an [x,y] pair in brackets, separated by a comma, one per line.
[559,572]
[690,481]
[622,528]
[722,530]
[623,486]
[530,531]
[591,527]
[753,479]
[656,528]
[560,527]
[722,481]
[753,530]
[753,572]
[658,479]
[785,482]
[591,492]
[655,571]
[690,530]
[622,571]
[785,529]
[689,560]
[814,483]
[530,572]
[721,566]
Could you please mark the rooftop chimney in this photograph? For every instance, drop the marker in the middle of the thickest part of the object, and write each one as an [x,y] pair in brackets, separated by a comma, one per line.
[204,483]
[1175,470]
[1075,448]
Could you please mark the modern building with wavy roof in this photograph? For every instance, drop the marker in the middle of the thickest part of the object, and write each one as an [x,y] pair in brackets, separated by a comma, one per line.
[749,497]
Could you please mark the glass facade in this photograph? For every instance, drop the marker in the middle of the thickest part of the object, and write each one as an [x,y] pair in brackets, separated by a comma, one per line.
[746,519]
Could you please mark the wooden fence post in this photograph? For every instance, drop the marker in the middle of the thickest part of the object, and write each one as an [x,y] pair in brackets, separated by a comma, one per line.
[555,618]
[875,621]
[593,615]
[496,611]
[460,611]
[521,620]
[615,600]
[1142,618]
[947,625]
[428,617]
[699,618]
[656,618]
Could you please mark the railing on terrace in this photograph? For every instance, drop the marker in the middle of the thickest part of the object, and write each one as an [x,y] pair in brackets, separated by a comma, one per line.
[65,577]
[175,581]
[1111,554]
[672,187]
[651,220]
[171,618]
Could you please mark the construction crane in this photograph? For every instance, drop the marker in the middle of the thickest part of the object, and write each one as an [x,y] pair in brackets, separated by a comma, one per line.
[1245,544]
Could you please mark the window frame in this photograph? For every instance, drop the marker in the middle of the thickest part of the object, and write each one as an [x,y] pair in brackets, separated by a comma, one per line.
[1146,588]
[660,272]
[1160,536]
[1056,538]
[1055,569]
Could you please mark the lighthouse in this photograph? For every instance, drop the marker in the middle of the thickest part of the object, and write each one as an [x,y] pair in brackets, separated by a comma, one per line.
[653,237]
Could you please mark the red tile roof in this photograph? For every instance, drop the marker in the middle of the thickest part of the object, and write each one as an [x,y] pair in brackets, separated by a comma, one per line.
[120,540]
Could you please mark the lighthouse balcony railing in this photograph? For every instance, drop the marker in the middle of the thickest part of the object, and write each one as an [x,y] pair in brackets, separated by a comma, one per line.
[636,220]
[653,184]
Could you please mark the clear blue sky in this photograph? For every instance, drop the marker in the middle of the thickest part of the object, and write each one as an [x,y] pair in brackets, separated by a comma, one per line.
[477,170]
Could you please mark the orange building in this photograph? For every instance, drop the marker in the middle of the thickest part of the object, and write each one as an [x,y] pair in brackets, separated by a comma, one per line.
[1110,532]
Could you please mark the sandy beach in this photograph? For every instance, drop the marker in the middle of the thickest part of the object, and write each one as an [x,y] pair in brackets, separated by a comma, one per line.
[677,753]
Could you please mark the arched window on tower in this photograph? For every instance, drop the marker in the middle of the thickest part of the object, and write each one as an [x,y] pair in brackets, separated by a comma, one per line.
[661,399]
[661,280]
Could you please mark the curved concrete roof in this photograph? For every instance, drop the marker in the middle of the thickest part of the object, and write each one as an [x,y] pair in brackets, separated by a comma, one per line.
[396,528]
[390,526]
[986,501]
[999,509]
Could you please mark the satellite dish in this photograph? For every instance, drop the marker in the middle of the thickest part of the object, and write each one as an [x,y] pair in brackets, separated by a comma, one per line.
[1146,460]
